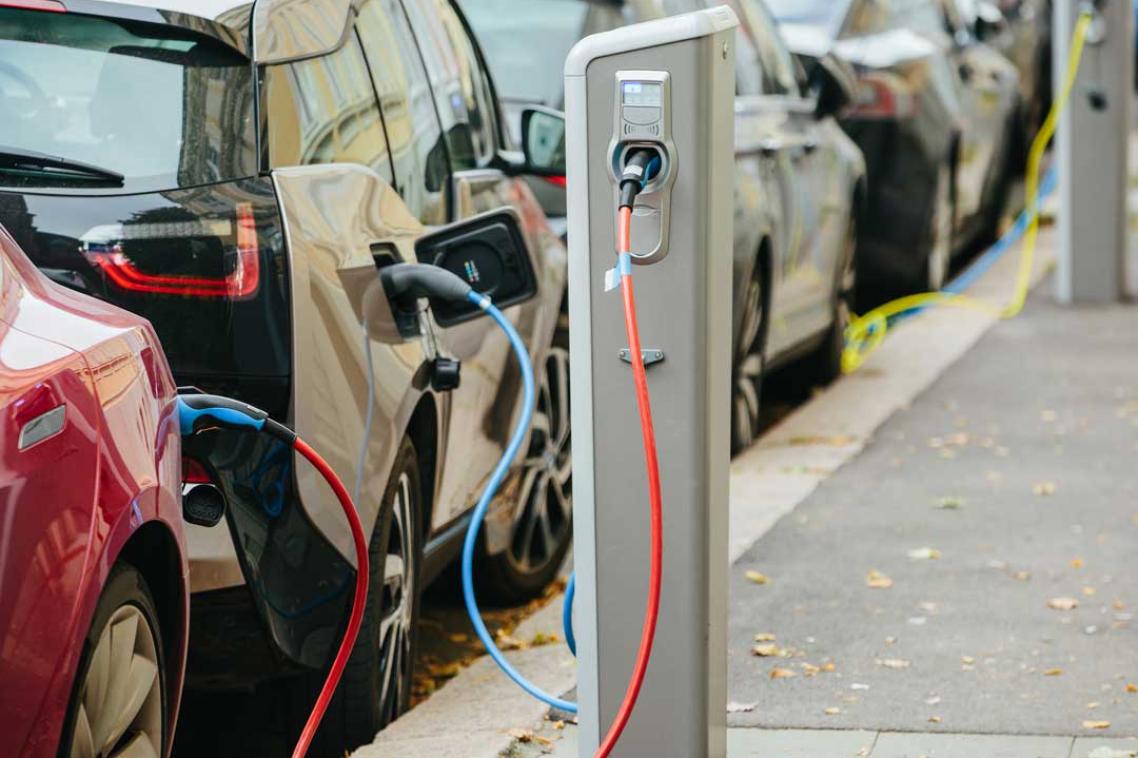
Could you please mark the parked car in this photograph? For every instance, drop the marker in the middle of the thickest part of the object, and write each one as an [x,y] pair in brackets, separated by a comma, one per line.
[799,180]
[93,578]
[236,173]
[937,116]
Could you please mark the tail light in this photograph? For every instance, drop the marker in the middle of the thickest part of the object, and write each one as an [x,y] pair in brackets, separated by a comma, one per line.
[193,472]
[556,181]
[882,95]
[219,257]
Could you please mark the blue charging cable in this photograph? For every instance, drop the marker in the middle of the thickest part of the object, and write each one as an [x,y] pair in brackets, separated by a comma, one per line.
[471,543]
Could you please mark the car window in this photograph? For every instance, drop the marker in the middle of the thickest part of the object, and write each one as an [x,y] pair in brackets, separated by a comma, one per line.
[162,106]
[533,72]
[323,110]
[462,92]
[778,69]
[418,153]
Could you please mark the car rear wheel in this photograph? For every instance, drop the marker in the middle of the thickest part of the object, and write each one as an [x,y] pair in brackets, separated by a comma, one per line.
[747,379]
[542,526]
[376,685]
[118,707]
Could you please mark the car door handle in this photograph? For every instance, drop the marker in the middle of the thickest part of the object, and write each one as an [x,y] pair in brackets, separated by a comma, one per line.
[38,415]
[809,147]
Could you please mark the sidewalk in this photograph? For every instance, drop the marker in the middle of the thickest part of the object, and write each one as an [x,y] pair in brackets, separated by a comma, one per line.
[997,518]
[983,471]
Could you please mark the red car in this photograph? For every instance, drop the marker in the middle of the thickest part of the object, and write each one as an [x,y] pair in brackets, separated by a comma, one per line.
[93,577]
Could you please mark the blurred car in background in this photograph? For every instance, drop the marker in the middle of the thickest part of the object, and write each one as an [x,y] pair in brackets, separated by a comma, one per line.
[93,577]
[799,181]
[938,116]
[238,184]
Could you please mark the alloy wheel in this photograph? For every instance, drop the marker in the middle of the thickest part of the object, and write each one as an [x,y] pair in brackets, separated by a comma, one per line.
[543,515]
[397,619]
[748,372]
[120,701]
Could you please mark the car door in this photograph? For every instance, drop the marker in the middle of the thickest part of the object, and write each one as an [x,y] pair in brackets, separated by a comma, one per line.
[986,82]
[482,408]
[774,124]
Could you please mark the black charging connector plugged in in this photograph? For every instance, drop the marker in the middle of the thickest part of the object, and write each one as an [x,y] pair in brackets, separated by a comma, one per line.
[641,166]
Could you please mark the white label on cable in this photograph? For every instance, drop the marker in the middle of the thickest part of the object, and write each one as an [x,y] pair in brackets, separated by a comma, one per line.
[612,279]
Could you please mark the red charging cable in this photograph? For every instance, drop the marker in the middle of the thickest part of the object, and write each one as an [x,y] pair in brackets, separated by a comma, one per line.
[643,403]
[359,602]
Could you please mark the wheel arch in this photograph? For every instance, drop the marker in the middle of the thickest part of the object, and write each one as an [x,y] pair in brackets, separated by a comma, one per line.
[154,552]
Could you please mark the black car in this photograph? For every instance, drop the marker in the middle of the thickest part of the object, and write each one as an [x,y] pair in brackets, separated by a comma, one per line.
[939,118]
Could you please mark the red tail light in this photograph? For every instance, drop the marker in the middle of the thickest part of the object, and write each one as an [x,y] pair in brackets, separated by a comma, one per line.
[109,255]
[883,96]
[51,6]
[194,472]
[556,181]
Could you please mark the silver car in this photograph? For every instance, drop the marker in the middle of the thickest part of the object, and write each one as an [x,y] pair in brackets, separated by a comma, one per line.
[799,180]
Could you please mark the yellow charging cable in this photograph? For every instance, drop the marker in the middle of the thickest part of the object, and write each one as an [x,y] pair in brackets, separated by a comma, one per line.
[866,333]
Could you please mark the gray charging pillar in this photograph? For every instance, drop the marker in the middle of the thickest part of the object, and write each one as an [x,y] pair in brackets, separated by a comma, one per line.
[1093,154]
[668,84]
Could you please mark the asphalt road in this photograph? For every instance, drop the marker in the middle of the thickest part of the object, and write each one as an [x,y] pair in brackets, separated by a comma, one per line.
[1003,496]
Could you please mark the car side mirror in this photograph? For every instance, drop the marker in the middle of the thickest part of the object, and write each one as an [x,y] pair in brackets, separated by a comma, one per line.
[834,83]
[543,141]
[990,22]
[490,253]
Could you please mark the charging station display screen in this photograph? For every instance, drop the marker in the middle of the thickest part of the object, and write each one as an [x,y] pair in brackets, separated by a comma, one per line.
[643,94]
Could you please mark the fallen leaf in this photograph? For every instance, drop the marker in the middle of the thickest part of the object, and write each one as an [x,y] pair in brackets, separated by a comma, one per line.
[1089,591]
[836,440]
[1053,672]
[1062,603]
[1044,489]
[934,700]
[558,725]
[764,637]
[1109,752]
[782,674]
[967,660]
[950,503]
[894,663]
[1077,563]
[924,554]
[809,669]
[1022,576]
[1092,706]
[458,638]
[828,667]
[832,711]
[757,578]
[735,707]
[769,650]
[1132,688]
[878,581]
[934,719]
[1096,725]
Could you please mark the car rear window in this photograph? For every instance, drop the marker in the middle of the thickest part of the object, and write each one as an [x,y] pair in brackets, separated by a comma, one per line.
[162,106]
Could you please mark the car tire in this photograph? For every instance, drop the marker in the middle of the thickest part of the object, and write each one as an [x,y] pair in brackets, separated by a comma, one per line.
[749,364]
[541,530]
[827,360]
[938,244]
[376,684]
[122,653]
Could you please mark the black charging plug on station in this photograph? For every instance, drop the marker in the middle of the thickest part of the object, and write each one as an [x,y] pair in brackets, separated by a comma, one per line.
[641,166]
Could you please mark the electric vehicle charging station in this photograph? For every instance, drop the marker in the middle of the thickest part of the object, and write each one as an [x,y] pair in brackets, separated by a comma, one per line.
[667,86]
